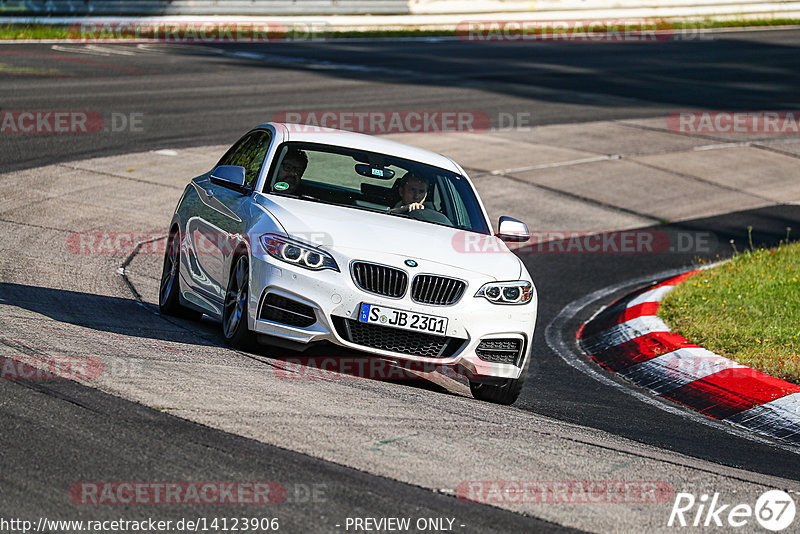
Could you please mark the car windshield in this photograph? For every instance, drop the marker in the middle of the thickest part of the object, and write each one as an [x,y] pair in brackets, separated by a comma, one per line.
[375,182]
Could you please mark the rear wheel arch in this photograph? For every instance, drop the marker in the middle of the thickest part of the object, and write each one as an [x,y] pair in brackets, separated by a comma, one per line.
[169,298]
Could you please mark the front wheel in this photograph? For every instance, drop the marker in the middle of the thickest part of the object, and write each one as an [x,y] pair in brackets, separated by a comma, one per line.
[504,393]
[234,312]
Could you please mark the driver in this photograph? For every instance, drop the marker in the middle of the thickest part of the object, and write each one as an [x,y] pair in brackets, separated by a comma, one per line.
[413,190]
[291,170]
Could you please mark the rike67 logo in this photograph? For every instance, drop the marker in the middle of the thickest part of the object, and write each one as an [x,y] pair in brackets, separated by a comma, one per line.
[774,510]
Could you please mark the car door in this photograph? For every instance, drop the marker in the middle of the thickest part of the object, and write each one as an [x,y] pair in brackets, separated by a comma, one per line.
[224,215]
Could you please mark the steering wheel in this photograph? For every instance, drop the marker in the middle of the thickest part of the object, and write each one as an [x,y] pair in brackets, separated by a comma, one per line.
[429,215]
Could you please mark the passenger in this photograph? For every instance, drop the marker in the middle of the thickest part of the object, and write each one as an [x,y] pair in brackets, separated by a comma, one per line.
[413,190]
[291,170]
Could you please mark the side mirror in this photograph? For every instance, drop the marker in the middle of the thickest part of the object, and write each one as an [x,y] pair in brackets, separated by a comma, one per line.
[512,230]
[230,176]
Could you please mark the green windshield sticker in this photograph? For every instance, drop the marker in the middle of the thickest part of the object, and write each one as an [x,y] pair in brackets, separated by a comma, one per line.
[281,186]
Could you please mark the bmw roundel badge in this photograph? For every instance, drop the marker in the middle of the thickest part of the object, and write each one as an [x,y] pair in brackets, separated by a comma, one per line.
[411,263]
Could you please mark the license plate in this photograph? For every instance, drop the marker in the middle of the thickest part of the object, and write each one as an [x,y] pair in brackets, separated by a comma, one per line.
[419,322]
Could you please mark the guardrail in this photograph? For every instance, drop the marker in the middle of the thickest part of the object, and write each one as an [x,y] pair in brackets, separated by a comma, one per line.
[435,13]
[201,7]
[429,7]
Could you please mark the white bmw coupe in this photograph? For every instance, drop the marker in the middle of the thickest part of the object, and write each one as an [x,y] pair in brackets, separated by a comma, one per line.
[304,234]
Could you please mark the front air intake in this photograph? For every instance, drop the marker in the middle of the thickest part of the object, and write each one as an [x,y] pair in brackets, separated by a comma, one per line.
[396,339]
[279,309]
[504,350]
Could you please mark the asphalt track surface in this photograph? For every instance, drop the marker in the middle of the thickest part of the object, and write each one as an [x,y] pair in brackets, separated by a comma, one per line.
[205,95]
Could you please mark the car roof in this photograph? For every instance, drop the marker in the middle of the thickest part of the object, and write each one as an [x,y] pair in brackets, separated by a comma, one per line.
[330,136]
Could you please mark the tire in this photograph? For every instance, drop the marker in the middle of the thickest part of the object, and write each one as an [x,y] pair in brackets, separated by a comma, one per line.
[504,393]
[168,292]
[234,311]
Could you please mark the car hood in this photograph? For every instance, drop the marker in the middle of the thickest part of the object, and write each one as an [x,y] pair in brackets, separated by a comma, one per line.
[365,235]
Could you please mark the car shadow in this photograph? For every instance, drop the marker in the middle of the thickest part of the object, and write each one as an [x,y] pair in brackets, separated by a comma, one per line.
[691,70]
[127,317]
[327,361]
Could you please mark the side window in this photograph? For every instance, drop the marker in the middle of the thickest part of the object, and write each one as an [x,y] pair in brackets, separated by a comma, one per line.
[233,155]
[462,217]
[249,153]
[255,154]
[436,197]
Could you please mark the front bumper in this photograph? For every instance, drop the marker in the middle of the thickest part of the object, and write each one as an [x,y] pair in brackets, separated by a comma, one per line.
[335,301]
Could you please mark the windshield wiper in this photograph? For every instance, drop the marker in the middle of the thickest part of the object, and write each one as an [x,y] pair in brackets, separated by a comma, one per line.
[315,199]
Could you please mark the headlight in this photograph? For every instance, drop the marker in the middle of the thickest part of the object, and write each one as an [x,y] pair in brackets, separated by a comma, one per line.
[297,253]
[507,292]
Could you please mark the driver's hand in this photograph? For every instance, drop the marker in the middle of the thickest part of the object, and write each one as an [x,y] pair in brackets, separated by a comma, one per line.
[415,206]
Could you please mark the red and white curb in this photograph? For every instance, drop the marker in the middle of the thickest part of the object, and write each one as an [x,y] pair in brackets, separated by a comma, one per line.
[627,338]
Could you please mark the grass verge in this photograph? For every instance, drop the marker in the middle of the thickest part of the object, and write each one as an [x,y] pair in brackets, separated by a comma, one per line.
[747,310]
[73,31]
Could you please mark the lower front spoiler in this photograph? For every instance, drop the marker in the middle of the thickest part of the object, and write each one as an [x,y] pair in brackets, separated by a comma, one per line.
[322,343]
[488,372]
